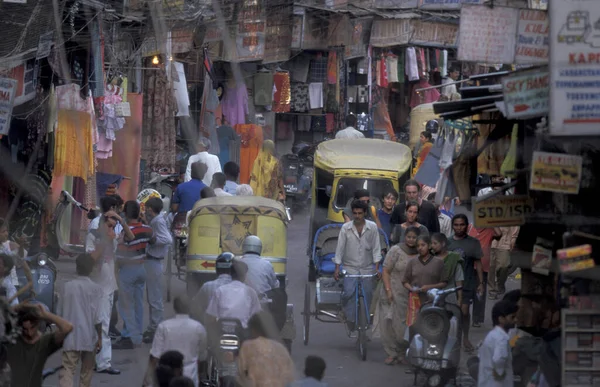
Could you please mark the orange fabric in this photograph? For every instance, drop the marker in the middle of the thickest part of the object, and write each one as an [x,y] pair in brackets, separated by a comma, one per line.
[381,118]
[251,142]
[414,304]
[73,150]
[422,156]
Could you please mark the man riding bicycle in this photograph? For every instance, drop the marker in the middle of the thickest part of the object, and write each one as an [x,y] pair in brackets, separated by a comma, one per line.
[201,300]
[358,249]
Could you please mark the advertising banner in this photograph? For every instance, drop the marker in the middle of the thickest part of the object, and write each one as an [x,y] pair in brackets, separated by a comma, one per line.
[556,172]
[526,95]
[532,38]
[8,89]
[502,211]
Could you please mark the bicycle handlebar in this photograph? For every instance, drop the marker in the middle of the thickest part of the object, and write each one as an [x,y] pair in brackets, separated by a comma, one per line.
[72,200]
[357,275]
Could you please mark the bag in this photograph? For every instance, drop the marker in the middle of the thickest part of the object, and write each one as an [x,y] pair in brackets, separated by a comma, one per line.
[414,304]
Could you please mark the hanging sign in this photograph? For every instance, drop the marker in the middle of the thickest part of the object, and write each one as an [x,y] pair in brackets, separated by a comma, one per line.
[297,31]
[526,95]
[278,36]
[487,35]
[538,4]
[44,45]
[575,65]
[250,38]
[541,260]
[555,172]
[446,4]
[532,37]
[502,211]
[575,258]
[8,89]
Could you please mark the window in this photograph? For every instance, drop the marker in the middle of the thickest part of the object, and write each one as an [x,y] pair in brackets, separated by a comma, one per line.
[347,186]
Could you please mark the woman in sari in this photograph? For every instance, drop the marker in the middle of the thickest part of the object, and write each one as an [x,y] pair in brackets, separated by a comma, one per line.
[393,300]
[266,178]
[426,139]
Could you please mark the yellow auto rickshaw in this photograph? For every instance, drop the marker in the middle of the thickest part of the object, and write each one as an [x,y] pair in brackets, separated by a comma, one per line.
[220,224]
[345,165]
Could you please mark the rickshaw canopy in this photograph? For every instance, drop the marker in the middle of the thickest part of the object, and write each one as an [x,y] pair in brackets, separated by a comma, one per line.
[243,205]
[340,155]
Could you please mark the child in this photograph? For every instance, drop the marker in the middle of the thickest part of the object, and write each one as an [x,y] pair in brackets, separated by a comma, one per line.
[495,357]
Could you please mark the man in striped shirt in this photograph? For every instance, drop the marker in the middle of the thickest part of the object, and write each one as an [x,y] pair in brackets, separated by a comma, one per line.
[132,277]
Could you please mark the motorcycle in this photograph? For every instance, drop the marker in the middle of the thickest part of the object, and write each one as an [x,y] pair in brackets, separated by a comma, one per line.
[435,347]
[298,173]
[179,229]
[165,184]
[223,362]
[43,272]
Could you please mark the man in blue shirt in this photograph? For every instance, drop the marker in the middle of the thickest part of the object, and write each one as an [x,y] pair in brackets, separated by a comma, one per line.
[384,214]
[187,194]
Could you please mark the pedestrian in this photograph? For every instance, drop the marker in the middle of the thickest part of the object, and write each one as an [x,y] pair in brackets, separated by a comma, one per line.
[113,332]
[212,162]
[81,304]
[266,178]
[453,266]
[444,220]
[426,272]
[495,355]
[470,251]
[188,193]
[226,136]
[218,184]
[364,196]
[485,236]
[260,350]
[412,214]
[500,260]
[244,190]
[384,214]
[16,251]
[314,371]
[28,354]
[393,300]
[183,334]
[201,300]
[427,212]
[232,174]
[168,367]
[101,244]
[131,273]
[350,130]
[156,251]
[449,87]
[426,139]
[358,249]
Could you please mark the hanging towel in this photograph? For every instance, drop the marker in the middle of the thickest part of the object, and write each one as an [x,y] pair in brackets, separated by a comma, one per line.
[383,82]
[444,64]
[332,68]
[299,101]
[392,68]
[315,93]
[263,89]
[401,66]
[412,68]
[427,62]
[282,97]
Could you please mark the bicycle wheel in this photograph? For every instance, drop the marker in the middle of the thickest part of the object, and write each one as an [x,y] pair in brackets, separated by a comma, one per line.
[362,330]
[306,314]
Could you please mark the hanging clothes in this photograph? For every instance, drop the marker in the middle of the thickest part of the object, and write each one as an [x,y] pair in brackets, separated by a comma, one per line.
[104,181]
[332,68]
[299,98]
[263,89]
[104,148]
[282,97]
[401,65]
[391,63]
[74,154]
[412,68]
[383,75]
[427,96]
[226,134]
[315,94]
[251,140]
[433,60]
[444,64]
[235,104]
[329,123]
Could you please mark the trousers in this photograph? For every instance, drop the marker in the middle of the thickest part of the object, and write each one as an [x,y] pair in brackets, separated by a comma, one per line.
[499,263]
[154,271]
[103,358]
[70,359]
[349,296]
[132,279]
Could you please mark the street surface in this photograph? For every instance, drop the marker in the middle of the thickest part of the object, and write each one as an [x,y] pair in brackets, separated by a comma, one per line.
[329,341]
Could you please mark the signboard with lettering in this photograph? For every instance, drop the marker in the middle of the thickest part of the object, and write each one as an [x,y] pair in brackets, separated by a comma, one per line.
[44,45]
[526,95]
[538,4]
[250,38]
[532,38]
[390,32]
[502,211]
[297,31]
[8,89]
[487,35]
[278,36]
[446,4]
[555,172]
[575,67]
[396,4]
[575,258]
[426,33]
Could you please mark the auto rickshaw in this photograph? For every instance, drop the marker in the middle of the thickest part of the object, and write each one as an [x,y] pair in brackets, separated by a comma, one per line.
[341,167]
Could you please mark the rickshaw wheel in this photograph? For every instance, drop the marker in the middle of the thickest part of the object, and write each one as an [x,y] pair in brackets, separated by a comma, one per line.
[362,331]
[306,314]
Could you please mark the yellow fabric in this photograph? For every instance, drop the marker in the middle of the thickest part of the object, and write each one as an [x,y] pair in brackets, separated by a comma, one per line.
[422,156]
[510,161]
[73,150]
[265,175]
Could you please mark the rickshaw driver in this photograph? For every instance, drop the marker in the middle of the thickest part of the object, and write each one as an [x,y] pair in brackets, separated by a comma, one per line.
[358,249]
[261,275]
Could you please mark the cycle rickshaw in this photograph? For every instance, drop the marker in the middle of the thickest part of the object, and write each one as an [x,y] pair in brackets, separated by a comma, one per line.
[328,295]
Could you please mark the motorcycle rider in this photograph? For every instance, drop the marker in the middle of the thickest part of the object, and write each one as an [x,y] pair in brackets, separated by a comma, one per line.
[201,300]
[261,275]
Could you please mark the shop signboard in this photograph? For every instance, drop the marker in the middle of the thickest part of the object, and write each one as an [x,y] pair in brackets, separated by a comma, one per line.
[541,260]
[182,40]
[359,37]
[526,95]
[502,211]
[433,34]
[297,31]
[532,37]
[575,67]
[44,45]
[538,4]
[575,258]
[487,35]
[278,36]
[446,4]
[390,32]
[555,172]
[250,37]
[396,4]
[8,88]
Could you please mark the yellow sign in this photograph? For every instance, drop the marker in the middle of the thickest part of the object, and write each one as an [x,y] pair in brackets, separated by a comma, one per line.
[502,211]
[575,258]
[556,172]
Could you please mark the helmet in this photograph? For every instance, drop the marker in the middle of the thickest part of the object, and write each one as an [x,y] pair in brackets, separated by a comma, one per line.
[252,244]
[224,263]
[432,126]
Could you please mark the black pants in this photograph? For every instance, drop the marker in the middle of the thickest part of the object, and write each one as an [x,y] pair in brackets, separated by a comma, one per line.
[479,303]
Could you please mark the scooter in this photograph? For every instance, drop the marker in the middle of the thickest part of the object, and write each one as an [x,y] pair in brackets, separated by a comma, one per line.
[435,347]
[223,362]
[297,174]
[43,273]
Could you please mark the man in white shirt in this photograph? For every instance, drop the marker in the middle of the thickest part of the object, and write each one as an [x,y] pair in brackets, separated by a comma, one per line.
[452,77]
[80,303]
[495,356]
[185,335]
[350,131]
[211,161]
[232,173]
[218,184]
[359,250]
[261,275]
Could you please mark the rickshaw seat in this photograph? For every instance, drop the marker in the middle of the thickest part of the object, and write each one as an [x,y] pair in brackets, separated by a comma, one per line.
[326,266]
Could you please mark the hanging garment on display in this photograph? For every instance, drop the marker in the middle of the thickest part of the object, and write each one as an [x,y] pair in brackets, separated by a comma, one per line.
[411,67]
[104,180]
[444,64]
[332,68]
[318,70]
[383,74]
[282,97]
[225,134]
[315,92]
[263,88]
[304,123]
[235,104]
[104,147]
[392,68]
[332,104]
[299,98]
[73,153]
[251,140]
[329,122]
[509,166]
[450,138]
[299,67]
[433,60]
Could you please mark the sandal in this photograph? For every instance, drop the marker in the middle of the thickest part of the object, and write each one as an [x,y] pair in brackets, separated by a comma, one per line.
[391,361]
